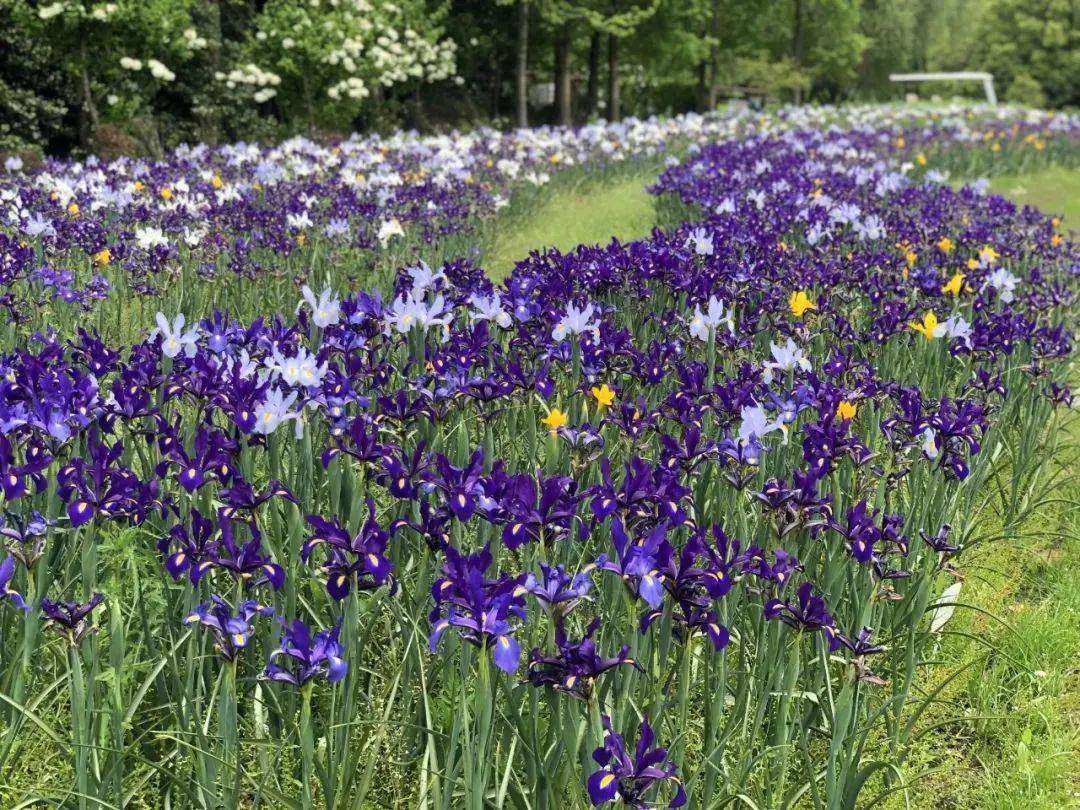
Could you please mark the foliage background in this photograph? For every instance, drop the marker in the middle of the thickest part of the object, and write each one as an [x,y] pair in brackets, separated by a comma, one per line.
[139,76]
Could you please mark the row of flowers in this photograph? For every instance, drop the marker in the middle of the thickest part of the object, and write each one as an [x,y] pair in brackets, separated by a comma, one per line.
[75,230]
[699,477]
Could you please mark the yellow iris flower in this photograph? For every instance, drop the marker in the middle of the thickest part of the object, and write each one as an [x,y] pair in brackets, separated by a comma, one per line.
[930,327]
[603,395]
[956,285]
[555,419]
[800,302]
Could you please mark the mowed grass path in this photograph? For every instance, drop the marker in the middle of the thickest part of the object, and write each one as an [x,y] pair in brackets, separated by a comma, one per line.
[1054,191]
[586,212]
[1005,732]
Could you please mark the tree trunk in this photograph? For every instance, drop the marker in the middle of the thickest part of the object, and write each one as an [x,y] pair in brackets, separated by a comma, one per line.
[797,45]
[212,120]
[556,75]
[714,53]
[88,105]
[614,109]
[592,92]
[521,69]
[495,86]
[563,100]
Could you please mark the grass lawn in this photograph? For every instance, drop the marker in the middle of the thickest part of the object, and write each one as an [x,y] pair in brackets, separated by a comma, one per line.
[585,212]
[1006,730]
[1055,191]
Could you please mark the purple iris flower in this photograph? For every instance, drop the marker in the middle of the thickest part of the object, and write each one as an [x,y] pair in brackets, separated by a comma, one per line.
[892,533]
[359,560]
[71,619]
[13,476]
[687,455]
[231,630]
[957,426]
[241,397]
[461,486]
[361,442]
[28,535]
[212,454]
[828,440]
[941,544]
[433,526]
[480,609]
[218,331]
[100,486]
[861,646]
[723,561]
[628,777]
[7,571]
[693,578]
[404,472]
[860,532]
[192,547]
[744,456]
[577,665]
[538,508]
[798,505]
[399,408]
[303,657]
[557,592]
[242,497]
[989,383]
[638,561]
[777,571]
[584,441]
[808,613]
[646,494]
[245,562]
[632,418]
[1059,395]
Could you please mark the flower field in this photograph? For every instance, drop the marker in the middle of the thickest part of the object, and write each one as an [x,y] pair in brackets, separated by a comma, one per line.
[301,509]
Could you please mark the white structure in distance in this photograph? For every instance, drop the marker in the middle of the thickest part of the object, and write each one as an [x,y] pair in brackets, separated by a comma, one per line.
[987,80]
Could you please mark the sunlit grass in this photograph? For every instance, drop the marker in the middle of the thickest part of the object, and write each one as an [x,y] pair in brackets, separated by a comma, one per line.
[585,211]
[1055,191]
[1006,733]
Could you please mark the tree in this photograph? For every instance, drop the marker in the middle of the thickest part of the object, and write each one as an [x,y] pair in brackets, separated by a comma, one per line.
[33,97]
[1036,41]
[614,19]
[835,47]
[522,13]
[521,64]
[119,54]
[322,61]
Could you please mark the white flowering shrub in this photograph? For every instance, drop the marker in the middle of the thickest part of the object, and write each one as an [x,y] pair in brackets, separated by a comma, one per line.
[116,54]
[323,58]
